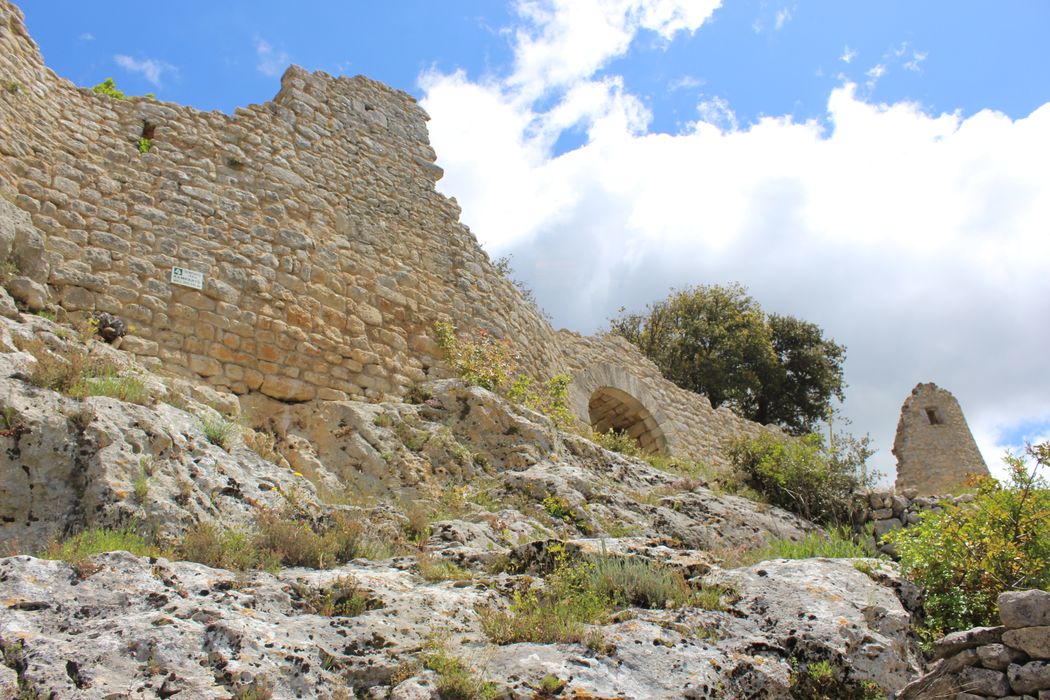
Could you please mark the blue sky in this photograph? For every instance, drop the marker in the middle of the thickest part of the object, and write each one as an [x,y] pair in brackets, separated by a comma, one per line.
[880,168]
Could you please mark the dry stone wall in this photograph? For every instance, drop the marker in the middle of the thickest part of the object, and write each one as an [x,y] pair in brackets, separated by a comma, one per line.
[326,254]
[1011,660]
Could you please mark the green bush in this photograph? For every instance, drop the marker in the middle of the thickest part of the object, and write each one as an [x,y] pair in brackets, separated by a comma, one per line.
[821,680]
[108,88]
[967,554]
[805,475]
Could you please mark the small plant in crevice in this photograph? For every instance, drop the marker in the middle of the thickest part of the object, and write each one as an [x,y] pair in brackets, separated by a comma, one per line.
[343,597]
[144,145]
[457,680]
[108,88]
[220,430]
[12,87]
[822,680]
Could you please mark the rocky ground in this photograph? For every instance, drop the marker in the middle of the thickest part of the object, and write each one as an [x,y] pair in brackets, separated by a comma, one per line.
[458,481]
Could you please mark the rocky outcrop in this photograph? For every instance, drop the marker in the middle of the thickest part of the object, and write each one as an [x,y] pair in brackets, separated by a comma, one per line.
[160,628]
[1012,659]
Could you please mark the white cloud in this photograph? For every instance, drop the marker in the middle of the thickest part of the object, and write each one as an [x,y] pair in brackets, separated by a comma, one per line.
[87,36]
[848,55]
[270,62]
[150,68]
[917,240]
[782,18]
[915,63]
[686,82]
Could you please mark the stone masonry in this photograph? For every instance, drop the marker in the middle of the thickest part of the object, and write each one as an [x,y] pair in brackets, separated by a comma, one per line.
[327,254]
[1011,660]
[934,447]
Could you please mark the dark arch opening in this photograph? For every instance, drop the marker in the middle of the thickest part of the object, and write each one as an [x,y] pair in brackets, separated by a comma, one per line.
[612,409]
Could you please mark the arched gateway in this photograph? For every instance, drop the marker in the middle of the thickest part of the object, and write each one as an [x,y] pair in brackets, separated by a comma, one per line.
[608,397]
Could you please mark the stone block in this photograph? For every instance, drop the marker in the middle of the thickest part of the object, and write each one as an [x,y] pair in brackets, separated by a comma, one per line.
[287,388]
[204,366]
[1034,641]
[1031,677]
[884,526]
[1024,608]
[966,639]
[998,656]
[33,294]
[984,681]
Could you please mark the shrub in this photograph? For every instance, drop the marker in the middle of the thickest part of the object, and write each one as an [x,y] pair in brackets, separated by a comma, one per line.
[490,364]
[617,441]
[144,145]
[967,554]
[108,88]
[805,475]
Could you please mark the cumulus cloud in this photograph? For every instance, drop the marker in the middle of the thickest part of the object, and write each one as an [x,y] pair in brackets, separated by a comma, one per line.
[149,68]
[915,239]
[271,62]
[848,55]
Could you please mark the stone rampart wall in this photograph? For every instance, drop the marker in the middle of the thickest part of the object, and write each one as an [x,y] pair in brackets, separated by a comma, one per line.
[327,253]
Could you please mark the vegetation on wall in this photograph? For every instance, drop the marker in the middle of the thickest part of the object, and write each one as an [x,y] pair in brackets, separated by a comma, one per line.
[966,554]
[490,363]
[718,341]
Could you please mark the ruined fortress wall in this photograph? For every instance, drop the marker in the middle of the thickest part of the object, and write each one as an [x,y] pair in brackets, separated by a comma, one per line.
[326,251]
[934,447]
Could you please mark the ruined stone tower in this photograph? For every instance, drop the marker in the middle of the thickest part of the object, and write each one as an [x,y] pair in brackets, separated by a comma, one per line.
[934,447]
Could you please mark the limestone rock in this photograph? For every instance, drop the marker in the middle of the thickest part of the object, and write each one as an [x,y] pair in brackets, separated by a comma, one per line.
[32,294]
[1024,608]
[1031,677]
[1034,641]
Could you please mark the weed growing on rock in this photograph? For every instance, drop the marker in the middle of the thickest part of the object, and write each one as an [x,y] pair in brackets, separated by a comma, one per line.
[141,486]
[11,86]
[965,555]
[821,680]
[587,591]
[434,570]
[220,430]
[456,679]
[124,387]
[225,549]
[99,540]
[344,597]
[617,441]
[144,145]
[108,88]
[551,684]
[834,543]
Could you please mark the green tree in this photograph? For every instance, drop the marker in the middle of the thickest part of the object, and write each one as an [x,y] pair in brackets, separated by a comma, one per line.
[717,341]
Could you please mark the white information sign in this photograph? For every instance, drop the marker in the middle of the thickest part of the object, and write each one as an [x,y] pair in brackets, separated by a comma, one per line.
[187,278]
